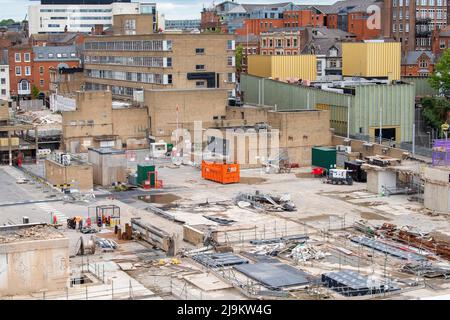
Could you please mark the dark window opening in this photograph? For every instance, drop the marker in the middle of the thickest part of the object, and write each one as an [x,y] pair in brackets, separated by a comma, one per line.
[388,133]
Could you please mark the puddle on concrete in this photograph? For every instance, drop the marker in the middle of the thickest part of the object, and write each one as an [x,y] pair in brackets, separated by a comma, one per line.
[373,216]
[165,198]
[252,180]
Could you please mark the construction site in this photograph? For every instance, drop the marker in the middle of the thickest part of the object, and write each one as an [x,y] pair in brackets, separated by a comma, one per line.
[154,226]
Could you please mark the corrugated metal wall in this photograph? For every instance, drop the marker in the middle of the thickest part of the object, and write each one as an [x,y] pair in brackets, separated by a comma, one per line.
[423,88]
[396,101]
[283,67]
[373,59]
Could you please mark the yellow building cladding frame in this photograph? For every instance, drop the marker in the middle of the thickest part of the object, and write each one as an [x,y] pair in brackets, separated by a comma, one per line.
[283,68]
[371,59]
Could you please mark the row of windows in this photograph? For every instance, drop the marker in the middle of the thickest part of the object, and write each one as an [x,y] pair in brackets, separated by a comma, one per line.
[155,62]
[18,71]
[400,28]
[127,76]
[26,57]
[76,10]
[118,90]
[405,3]
[143,45]
[57,55]
[280,43]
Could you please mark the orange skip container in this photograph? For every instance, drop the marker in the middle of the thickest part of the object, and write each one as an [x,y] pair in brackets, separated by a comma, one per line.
[221,172]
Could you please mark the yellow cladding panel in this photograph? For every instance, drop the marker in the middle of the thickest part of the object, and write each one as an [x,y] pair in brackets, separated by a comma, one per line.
[372,59]
[294,67]
[283,67]
[259,65]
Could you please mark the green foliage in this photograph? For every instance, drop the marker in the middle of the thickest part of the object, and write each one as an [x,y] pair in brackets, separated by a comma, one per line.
[239,57]
[440,79]
[6,22]
[435,111]
[35,92]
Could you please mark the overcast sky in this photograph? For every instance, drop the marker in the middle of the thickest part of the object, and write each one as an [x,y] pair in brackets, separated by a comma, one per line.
[173,9]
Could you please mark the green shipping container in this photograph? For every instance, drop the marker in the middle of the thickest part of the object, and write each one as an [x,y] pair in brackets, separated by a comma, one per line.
[142,174]
[323,157]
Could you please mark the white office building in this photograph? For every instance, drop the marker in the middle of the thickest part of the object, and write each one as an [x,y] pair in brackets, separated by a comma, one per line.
[55,16]
[4,76]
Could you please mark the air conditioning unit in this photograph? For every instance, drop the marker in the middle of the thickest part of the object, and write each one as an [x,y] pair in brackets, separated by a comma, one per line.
[343,148]
[65,159]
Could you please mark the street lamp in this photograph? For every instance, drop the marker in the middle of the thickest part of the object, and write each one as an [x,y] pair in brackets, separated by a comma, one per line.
[429,139]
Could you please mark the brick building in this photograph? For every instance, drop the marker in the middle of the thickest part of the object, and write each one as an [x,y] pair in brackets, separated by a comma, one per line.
[21,78]
[54,57]
[283,41]
[418,64]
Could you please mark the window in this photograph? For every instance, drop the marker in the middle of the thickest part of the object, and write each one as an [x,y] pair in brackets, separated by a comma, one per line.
[442,44]
[200,83]
[200,51]
[41,82]
[17,57]
[3,92]
[169,79]
[3,81]
[41,70]
[230,45]
[423,63]
[18,71]
[51,55]
[26,57]
[295,42]
[230,61]
[169,62]
[231,77]
[200,67]
[28,71]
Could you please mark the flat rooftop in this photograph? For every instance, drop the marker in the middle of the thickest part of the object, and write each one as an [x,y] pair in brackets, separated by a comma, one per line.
[28,232]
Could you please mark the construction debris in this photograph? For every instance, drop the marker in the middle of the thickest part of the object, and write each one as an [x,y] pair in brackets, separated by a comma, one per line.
[427,270]
[221,221]
[216,260]
[387,249]
[265,202]
[106,244]
[299,238]
[163,214]
[302,253]
[416,238]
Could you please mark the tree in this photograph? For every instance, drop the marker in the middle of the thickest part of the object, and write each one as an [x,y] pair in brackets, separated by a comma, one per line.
[239,57]
[435,111]
[6,22]
[35,92]
[440,79]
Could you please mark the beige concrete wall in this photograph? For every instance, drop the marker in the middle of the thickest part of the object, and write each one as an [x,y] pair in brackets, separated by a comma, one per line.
[4,110]
[437,188]
[436,197]
[143,23]
[184,59]
[300,131]
[131,126]
[107,168]
[193,105]
[91,105]
[34,266]
[81,176]
[247,115]
[376,149]
[125,126]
